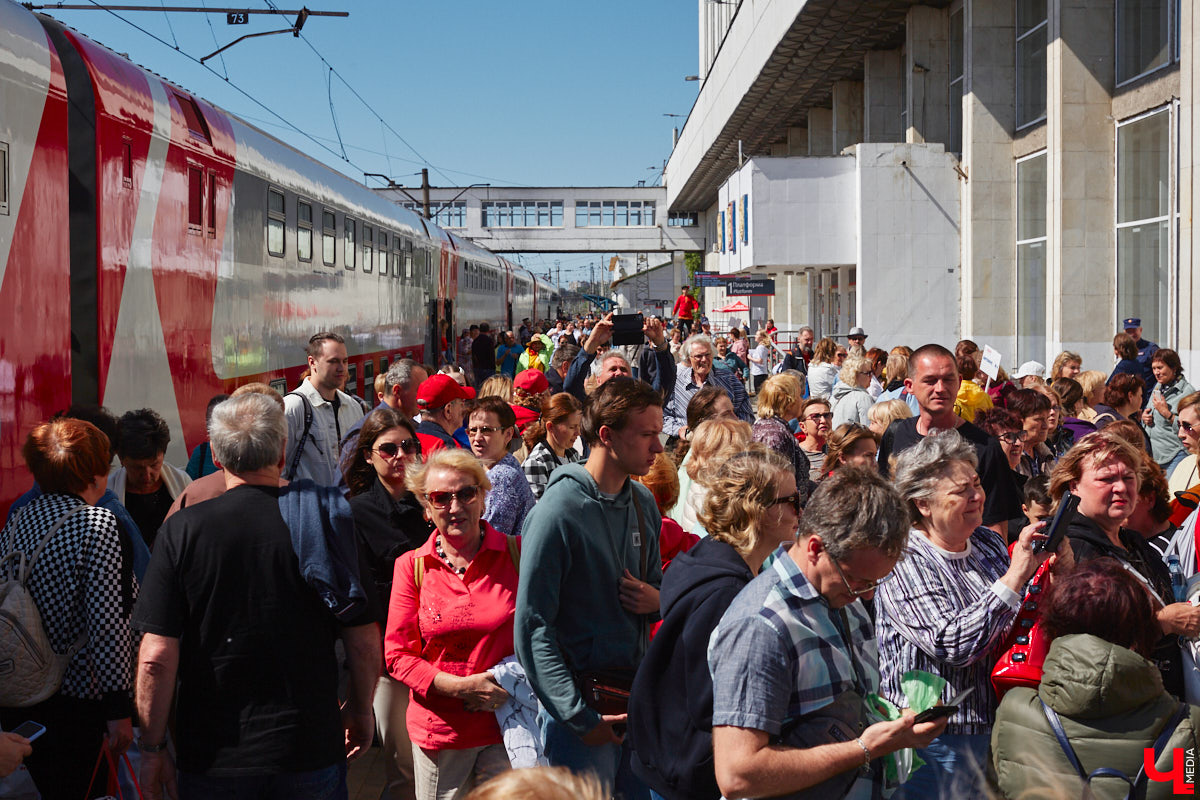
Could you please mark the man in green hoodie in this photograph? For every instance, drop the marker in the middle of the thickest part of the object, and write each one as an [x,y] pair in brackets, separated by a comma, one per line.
[591,548]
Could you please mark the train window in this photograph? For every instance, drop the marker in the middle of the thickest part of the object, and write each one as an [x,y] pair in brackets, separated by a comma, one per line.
[329,238]
[304,234]
[351,242]
[383,363]
[428,266]
[212,205]
[195,120]
[352,378]
[275,220]
[368,248]
[408,259]
[195,199]
[383,253]
[127,163]
[368,371]
[3,178]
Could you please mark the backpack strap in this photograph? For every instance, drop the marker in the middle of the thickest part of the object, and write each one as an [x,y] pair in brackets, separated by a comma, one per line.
[308,420]
[418,573]
[1063,741]
[25,563]
[1160,744]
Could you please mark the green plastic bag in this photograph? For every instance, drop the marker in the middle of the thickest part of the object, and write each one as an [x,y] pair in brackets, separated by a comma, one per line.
[921,692]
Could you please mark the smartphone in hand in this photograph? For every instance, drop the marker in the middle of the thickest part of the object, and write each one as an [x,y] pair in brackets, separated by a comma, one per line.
[946,710]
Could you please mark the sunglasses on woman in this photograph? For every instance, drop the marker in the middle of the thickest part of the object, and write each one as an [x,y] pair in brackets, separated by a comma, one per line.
[442,500]
[792,499]
[391,449]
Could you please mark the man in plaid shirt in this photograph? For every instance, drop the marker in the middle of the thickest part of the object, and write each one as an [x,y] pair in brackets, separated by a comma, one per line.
[797,638]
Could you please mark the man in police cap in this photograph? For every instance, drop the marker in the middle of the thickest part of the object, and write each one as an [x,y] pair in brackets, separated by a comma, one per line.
[1133,327]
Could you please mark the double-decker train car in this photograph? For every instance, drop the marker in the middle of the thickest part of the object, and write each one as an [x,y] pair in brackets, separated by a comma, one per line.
[156,250]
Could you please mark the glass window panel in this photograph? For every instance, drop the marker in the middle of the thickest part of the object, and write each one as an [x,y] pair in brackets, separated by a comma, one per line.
[1030,14]
[594,214]
[609,209]
[1143,167]
[3,178]
[304,244]
[556,215]
[1031,198]
[1143,31]
[581,215]
[1143,266]
[275,202]
[195,197]
[304,212]
[1031,301]
[1031,77]
[622,213]
[275,237]
[350,243]
[648,213]
[543,215]
[956,44]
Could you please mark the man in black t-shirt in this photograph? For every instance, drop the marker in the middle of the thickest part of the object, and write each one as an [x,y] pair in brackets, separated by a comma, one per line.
[230,619]
[933,379]
[483,354]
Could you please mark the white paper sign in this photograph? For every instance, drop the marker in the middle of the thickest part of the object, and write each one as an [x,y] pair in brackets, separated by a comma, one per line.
[990,365]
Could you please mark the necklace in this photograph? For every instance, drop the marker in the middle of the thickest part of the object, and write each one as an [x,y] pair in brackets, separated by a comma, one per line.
[437,547]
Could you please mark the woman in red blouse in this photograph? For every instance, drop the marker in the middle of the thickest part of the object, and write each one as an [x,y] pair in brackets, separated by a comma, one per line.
[449,621]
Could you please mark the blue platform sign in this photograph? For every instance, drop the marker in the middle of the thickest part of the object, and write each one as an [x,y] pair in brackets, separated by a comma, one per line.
[750,287]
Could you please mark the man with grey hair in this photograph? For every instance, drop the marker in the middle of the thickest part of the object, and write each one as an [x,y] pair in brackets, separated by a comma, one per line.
[564,355]
[224,588]
[399,393]
[797,650]
[655,365]
[689,380]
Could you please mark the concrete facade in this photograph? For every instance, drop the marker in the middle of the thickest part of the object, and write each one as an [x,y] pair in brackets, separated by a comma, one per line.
[1064,219]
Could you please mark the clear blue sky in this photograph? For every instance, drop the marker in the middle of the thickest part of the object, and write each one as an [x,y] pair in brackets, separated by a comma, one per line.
[538,93]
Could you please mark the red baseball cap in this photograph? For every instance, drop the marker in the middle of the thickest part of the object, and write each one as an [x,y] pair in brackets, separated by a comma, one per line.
[438,390]
[532,381]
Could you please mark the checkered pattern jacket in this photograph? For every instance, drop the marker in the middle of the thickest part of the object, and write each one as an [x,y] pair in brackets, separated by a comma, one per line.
[542,462]
[76,584]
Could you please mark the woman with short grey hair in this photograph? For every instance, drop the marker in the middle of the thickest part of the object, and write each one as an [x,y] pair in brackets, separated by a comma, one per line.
[949,606]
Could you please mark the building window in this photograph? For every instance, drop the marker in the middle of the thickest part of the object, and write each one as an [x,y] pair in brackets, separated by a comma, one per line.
[451,215]
[614,213]
[304,233]
[329,238]
[956,81]
[1143,37]
[682,219]
[195,209]
[3,178]
[1032,27]
[1031,258]
[351,242]
[523,214]
[1144,220]
[275,222]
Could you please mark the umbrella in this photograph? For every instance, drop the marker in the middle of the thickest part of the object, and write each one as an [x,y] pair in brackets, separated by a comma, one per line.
[733,307]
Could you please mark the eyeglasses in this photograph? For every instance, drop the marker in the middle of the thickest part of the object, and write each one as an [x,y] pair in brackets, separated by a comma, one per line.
[1187,427]
[792,499]
[870,585]
[701,356]
[442,500]
[815,417]
[392,449]
[486,430]
[1013,437]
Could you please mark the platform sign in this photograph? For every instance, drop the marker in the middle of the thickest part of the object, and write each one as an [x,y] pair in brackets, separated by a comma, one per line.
[990,365]
[710,281]
[758,287]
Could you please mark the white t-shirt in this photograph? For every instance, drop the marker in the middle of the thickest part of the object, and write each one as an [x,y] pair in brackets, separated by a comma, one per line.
[762,353]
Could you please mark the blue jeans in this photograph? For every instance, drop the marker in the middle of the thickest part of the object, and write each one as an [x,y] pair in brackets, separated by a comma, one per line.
[321,784]
[610,762]
[955,767]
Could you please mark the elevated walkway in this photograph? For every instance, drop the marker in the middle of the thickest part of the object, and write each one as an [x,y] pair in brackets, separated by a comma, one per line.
[569,219]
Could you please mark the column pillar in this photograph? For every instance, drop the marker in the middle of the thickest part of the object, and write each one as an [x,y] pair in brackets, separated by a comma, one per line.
[847,114]
[1081,267]
[883,92]
[797,141]
[820,132]
[927,70]
[1189,155]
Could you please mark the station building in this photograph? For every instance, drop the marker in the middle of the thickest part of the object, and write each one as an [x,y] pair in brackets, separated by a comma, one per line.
[1019,173]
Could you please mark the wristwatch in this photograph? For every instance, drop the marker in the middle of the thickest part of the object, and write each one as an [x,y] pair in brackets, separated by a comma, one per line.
[146,747]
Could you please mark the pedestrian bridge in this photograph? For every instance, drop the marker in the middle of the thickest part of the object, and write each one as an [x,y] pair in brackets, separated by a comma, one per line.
[569,219]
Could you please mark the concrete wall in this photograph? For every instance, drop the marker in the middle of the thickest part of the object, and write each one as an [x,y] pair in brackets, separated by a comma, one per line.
[908,245]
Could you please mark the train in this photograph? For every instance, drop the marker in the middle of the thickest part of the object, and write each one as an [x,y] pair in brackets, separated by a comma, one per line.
[156,250]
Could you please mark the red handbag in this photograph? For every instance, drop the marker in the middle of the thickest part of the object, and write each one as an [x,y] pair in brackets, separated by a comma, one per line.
[1026,647]
[113,787]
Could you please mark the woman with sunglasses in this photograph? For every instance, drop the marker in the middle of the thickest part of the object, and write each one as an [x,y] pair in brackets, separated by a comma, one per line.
[948,606]
[390,522]
[450,620]
[851,400]
[816,423]
[491,427]
[751,508]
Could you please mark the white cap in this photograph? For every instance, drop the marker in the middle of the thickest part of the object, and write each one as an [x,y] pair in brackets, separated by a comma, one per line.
[1031,368]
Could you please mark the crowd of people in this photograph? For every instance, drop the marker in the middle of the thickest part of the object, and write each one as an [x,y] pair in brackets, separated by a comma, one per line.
[687,568]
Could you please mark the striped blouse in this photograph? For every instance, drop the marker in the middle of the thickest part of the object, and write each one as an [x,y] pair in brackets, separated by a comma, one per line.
[947,613]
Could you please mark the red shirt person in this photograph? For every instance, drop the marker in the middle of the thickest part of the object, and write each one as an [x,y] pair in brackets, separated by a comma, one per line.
[685,309]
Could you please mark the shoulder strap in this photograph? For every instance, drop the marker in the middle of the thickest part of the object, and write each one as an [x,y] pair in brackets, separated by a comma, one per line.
[1063,741]
[514,553]
[418,573]
[28,570]
[308,419]
[1160,744]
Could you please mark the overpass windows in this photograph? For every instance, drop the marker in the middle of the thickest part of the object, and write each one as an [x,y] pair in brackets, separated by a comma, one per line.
[523,214]
[450,215]
[683,219]
[304,233]
[614,213]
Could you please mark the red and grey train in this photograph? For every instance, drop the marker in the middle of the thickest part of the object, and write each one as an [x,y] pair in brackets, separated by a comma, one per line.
[156,250]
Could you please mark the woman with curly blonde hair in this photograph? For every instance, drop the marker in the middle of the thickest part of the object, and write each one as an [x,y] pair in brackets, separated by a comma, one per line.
[713,441]
[752,507]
